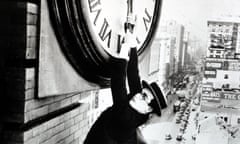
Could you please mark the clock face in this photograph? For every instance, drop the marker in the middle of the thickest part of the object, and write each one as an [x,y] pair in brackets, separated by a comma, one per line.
[106,19]
[91,32]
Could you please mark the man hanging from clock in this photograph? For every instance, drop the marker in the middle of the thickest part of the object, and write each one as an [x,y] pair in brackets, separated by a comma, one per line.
[119,124]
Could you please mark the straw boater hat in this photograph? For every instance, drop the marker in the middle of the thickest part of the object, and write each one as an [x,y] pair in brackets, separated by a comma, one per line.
[155,103]
[160,95]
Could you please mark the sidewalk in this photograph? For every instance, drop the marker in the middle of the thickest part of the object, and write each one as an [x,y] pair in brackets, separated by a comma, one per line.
[191,129]
[167,114]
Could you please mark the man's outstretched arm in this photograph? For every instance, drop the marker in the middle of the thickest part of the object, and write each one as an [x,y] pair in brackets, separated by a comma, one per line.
[118,81]
[133,77]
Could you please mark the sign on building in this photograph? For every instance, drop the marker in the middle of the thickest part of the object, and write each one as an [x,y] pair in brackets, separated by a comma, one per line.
[212,96]
[230,95]
[234,66]
[210,73]
[213,65]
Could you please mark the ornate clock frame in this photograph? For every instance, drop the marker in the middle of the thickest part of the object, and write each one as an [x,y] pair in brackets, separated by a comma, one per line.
[72,31]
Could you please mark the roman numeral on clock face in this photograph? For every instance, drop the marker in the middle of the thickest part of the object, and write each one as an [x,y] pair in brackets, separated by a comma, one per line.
[147,19]
[105,32]
[94,6]
[107,18]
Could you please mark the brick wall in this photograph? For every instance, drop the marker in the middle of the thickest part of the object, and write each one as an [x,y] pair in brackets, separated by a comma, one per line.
[24,116]
[67,128]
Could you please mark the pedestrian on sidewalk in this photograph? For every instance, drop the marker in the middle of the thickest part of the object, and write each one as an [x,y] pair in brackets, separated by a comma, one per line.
[119,123]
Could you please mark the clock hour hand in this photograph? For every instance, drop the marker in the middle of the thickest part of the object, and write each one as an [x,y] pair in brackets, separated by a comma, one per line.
[130,6]
[130,23]
[129,37]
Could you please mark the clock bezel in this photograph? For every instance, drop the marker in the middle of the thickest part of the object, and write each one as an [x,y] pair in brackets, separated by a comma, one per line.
[90,60]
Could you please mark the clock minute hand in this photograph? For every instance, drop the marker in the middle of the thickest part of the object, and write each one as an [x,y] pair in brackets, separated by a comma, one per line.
[130,5]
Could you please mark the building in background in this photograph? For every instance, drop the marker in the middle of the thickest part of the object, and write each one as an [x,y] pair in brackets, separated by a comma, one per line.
[168,54]
[220,98]
[176,32]
[222,64]
[158,65]
[185,54]
[223,39]
[179,47]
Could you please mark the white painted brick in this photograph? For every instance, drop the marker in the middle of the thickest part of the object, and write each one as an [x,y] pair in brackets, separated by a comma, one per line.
[27,135]
[74,112]
[32,19]
[73,129]
[31,30]
[32,8]
[69,123]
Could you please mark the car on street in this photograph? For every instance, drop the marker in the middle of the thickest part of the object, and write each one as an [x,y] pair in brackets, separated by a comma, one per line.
[178,121]
[186,112]
[188,109]
[183,105]
[194,137]
[185,117]
[196,101]
[179,115]
[179,137]
[168,137]
[193,109]
[181,111]
[181,98]
[182,129]
[176,106]
[183,125]
[185,121]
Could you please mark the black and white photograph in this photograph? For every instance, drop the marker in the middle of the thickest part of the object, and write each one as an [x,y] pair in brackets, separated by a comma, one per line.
[120,72]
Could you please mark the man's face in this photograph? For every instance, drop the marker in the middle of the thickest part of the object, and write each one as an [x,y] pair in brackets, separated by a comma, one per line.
[141,100]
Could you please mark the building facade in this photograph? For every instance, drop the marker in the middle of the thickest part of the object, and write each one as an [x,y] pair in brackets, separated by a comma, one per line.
[221,81]
[223,39]
[176,32]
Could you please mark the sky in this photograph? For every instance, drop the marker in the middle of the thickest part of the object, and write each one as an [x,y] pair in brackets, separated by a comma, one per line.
[195,13]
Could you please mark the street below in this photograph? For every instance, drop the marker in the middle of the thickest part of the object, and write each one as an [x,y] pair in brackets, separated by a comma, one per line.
[165,130]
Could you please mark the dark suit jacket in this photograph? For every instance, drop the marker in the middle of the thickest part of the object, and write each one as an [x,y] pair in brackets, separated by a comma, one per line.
[119,123]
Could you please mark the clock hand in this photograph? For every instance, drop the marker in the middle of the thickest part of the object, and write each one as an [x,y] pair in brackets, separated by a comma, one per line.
[129,37]
[129,24]
[130,5]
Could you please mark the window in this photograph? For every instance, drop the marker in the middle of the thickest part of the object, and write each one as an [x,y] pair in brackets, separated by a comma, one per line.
[225,119]
[226,76]
[238,120]
[225,86]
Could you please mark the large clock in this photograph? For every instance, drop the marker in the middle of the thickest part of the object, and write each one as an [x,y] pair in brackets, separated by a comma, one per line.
[91,31]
